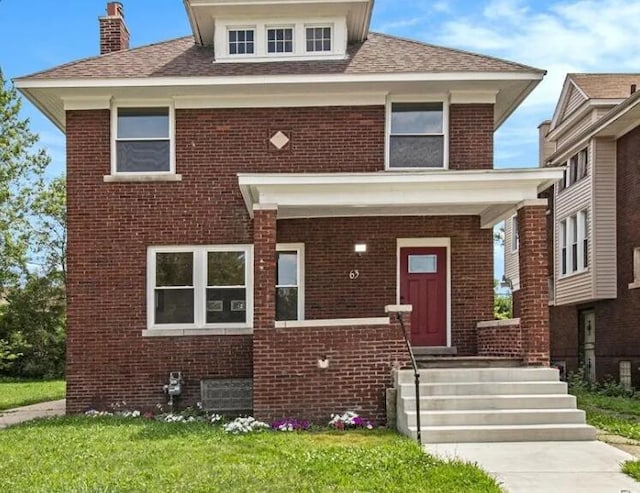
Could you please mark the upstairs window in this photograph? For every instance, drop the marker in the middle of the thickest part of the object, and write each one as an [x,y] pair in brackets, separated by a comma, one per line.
[143,140]
[416,136]
[241,41]
[574,243]
[280,40]
[318,39]
[576,169]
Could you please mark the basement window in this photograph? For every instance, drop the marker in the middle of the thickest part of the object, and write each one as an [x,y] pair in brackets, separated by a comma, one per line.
[143,142]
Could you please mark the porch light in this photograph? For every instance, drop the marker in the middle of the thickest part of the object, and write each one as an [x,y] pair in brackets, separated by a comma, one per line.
[360,248]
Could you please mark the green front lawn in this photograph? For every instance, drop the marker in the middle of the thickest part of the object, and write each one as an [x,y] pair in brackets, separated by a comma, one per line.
[16,393]
[81,454]
[617,415]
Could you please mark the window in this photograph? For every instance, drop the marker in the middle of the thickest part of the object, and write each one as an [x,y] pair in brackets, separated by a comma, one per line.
[174,288]
[143,140]
[417,135]
[289,280]
[515,234]
[280,40]
[241,41]
[318,39]
[576,169]
[574,243]
[226,287]
[636,269]
[563,247]
[200,287]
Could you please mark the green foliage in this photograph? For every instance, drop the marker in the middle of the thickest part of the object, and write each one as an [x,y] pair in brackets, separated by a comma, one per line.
[119,454]
[36,311]
[22,169]
[16,393]
[10,350]
[502,306]
[632,468]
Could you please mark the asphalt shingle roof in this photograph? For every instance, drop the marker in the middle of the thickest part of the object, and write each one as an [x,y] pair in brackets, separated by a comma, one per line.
[181,57]
[606,86]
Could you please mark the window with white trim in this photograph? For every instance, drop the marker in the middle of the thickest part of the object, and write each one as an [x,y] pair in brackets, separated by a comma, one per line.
[416,135]
[241,41]
[318,39]
[515,234]
[574,243]
[577,167]
[143,140]
[279,40]
[289,282]
[200,286]
[636,267]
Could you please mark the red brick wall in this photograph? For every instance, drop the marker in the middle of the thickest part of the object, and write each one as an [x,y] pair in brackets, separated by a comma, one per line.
[329,257]
[504,341]
[288,382]
[471,136]
[563,322]
[534,287]
[111,225]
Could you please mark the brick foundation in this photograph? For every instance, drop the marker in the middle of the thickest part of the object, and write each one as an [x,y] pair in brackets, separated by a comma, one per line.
[501,339]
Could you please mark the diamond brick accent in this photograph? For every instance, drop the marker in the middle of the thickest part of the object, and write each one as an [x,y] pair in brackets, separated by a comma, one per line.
[279,140]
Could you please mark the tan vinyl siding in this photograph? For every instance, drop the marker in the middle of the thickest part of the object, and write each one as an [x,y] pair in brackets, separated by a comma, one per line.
[574,99]
[604,219]
[511,263]
[573,288]
[577,127]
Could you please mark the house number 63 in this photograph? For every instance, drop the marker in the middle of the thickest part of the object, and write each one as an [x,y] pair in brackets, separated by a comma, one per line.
[354,274]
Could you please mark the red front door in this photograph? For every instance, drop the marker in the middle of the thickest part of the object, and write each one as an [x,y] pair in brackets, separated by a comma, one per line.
[423,284]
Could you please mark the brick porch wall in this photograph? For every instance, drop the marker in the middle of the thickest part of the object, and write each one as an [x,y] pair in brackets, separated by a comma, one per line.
[288,383]
[502,339]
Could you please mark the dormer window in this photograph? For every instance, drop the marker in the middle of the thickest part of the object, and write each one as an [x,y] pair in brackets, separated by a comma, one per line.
[242,41]
[318,39]
[280,40]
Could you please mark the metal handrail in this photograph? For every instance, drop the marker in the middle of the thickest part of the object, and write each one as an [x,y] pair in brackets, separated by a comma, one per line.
[416,374]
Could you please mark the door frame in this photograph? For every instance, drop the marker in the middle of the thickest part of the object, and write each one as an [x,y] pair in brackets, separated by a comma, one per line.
[444,242]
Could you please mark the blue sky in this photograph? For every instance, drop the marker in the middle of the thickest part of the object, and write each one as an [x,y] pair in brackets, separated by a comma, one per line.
[559,36]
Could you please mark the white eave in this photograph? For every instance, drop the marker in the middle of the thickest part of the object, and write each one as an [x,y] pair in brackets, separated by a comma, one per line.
[51,95]
[491,194]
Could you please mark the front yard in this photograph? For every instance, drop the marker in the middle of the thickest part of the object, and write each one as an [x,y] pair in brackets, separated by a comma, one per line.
[83,454]
[16,393]
[618,415]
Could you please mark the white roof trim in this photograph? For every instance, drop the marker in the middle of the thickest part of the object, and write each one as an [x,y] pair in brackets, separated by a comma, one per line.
[491,194]
[88,82]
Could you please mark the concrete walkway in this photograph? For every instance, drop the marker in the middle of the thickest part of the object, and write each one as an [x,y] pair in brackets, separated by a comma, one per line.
[27,413]
[558,467]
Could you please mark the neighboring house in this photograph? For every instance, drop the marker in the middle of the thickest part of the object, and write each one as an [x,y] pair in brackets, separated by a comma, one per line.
[243,204]
[593,226]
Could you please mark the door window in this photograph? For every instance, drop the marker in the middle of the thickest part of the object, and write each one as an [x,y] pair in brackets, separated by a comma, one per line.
[423,264]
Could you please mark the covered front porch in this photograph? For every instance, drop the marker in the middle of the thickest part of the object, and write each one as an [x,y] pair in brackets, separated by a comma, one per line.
[369,240]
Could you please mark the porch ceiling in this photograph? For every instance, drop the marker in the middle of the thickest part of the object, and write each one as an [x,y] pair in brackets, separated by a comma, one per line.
[491,194]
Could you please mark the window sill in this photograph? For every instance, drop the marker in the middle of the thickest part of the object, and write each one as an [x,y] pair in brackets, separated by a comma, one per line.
[634,285]
[573,274]
[196,332]
[141,178]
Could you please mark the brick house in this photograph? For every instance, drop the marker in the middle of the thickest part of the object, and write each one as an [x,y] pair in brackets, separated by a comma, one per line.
[244,202]
[593,226]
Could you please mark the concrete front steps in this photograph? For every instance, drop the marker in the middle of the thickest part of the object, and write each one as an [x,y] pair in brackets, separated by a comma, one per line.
[504,404]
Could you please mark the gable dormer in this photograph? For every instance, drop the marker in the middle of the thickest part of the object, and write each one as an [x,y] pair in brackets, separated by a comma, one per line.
[277,30]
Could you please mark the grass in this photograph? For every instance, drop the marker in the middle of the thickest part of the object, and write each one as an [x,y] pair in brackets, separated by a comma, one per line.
[108,455]
[16,393]
[617,415]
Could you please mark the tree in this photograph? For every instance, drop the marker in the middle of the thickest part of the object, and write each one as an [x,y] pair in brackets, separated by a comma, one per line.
[22,169]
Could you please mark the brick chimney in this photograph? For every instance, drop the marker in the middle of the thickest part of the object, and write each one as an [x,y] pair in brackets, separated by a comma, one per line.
[114,35]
